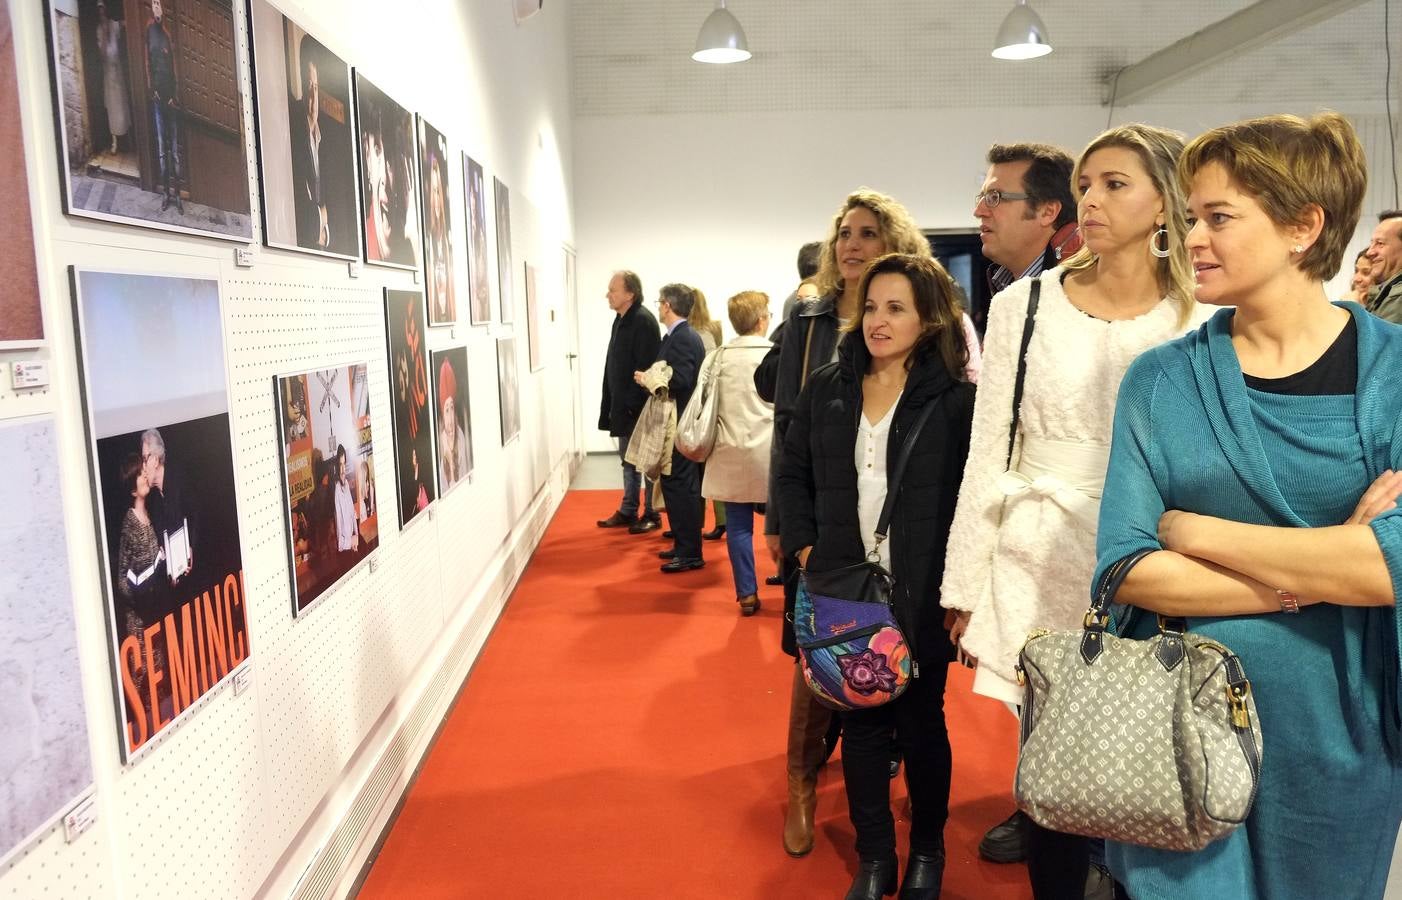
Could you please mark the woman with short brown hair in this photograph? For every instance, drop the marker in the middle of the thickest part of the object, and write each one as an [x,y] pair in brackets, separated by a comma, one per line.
[1256,457]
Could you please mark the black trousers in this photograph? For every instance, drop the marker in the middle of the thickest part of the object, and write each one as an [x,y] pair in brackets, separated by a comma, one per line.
[682,491]
[917,719]
[1057,863]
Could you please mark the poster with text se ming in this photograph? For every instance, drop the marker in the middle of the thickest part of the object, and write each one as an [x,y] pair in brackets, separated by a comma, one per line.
[151,354]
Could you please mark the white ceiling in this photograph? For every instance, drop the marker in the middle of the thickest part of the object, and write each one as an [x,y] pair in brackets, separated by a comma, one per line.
[632,57]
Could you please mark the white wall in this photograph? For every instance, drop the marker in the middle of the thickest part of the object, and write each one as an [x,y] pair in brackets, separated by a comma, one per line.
[241,796]
[724,202]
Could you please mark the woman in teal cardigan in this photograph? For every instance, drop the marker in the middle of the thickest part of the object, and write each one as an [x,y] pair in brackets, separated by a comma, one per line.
[1258,455]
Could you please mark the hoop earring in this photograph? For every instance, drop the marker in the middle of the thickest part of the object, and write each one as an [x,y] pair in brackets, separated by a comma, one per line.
[1154,243]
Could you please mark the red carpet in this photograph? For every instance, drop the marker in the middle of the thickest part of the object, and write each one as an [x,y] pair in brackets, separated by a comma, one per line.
[622,736]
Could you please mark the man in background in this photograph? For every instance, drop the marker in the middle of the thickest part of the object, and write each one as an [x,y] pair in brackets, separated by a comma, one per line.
[1025,211]
[1385,252]
[633,345]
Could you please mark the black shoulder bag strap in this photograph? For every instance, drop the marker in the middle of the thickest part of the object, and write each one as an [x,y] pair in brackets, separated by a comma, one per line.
[893,481]
[1027,324]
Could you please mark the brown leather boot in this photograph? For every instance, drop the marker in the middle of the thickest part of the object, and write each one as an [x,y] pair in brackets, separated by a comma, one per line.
[808,722]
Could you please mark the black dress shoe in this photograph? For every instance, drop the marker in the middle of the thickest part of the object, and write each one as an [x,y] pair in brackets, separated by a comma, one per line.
[774,580]
[715,534]
[875,879]
[669,534]
[682,565]
[617,520]
[667,554]
[644,525]
[923,873]
[1006,842]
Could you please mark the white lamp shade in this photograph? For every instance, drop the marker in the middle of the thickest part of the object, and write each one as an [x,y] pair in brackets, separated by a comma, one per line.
[1022,35]
[721,40]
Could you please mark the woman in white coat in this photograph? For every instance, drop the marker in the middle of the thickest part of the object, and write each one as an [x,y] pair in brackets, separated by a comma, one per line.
[1022,548]
[737,471]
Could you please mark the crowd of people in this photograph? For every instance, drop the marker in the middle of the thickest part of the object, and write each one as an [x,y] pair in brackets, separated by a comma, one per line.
[1161,370]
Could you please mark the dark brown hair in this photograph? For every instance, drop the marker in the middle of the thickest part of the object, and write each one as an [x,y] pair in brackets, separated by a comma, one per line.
[937,304]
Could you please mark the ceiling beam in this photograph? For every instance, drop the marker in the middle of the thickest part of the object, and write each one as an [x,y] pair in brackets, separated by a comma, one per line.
[1255,26]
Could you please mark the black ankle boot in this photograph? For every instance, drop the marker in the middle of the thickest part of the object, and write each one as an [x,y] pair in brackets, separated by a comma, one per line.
[923,873]
[875,879]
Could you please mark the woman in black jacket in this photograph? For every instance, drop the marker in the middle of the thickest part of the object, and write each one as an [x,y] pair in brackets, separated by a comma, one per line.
[846,434]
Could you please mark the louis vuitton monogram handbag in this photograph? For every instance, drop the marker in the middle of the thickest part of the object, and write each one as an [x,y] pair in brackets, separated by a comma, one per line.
[1153,742]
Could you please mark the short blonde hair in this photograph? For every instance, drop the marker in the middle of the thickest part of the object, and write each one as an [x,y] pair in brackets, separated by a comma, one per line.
[746,310]
[1289,164]
[1158,150]
[898,231]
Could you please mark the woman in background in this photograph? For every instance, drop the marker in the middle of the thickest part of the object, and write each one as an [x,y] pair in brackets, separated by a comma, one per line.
[737,471]
[708,329]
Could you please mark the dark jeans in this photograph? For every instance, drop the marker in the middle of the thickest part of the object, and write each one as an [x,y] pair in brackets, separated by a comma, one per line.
[917,719]
[167,125]
[682,491]
[632,482]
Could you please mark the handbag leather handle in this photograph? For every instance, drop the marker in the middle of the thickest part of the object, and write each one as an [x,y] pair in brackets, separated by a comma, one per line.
[1098,616]
[893,483]
[1032,302]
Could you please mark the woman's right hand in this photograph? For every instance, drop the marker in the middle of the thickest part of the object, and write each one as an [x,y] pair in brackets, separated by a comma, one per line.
[803,557]
[1381,496]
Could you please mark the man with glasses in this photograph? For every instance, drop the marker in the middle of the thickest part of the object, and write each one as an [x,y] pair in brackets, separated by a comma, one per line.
[1026,214]
[1027,223]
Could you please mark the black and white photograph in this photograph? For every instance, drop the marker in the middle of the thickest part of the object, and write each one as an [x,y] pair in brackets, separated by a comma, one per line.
[45,763]
[389,193]
[453,413]
[151,350]
[151,114]
[508,383]
[440,239]
[305,144]
[504,270]
[478,276]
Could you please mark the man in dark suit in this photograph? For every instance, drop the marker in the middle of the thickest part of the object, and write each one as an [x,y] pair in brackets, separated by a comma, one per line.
[633,345]
[313,223]
[682,350]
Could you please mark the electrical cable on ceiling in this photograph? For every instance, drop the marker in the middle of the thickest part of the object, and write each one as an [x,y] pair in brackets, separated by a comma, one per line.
[1114,92]
[1387,100]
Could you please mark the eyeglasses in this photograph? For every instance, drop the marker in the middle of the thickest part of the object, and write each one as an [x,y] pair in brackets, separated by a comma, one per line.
[994,197]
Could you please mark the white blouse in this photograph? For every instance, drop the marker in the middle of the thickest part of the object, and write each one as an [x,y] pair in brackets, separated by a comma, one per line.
[870,459]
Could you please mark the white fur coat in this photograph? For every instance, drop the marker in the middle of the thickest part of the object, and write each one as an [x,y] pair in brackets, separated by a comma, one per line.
[1027,563]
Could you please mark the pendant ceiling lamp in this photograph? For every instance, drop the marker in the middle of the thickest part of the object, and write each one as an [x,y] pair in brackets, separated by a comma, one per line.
[721,40]
[1022,35]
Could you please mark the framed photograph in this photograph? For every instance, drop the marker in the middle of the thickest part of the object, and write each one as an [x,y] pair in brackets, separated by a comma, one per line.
[508,301]
[45,763]
[478,278]
[151,115]
[389,195]
[440,273]
[306,149]
[410,402]
[454,417]
[155,392]
[328,467]
[535,325]
[507,382]
[21,313]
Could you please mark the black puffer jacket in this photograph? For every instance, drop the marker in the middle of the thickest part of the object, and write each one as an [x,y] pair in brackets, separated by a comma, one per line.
[817,483]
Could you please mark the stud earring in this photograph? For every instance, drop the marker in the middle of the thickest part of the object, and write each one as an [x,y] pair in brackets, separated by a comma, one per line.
[1155,238]
[1298,248]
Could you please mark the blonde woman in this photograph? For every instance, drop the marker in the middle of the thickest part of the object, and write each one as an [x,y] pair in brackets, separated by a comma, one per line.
[869,224]
[1023,544]
[708,329]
